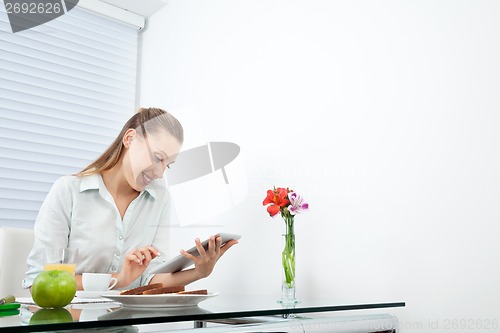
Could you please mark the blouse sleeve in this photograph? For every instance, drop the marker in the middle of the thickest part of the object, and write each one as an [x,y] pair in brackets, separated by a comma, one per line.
[52,227]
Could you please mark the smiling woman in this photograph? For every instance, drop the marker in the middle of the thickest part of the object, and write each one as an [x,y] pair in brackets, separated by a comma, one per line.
[116,210]
[148,125]
[132,155]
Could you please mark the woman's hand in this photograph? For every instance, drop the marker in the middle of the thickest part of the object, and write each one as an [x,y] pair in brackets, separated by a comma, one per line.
[135,263]
[205,262]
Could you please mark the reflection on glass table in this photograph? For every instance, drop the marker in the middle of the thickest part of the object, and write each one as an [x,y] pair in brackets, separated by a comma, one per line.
[227,309]
[131,313]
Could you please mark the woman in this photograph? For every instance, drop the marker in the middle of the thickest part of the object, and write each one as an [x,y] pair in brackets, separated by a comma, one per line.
[115,211]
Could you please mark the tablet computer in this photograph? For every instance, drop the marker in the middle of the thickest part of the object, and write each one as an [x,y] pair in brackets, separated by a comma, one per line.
[180,262]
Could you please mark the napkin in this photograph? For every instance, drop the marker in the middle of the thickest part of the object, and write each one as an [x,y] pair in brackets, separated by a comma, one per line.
[76,300]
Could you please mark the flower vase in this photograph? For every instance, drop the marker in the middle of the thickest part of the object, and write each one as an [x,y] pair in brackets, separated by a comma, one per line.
[288,264]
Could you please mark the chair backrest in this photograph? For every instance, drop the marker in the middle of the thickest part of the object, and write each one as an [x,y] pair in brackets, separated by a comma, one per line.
[15,245]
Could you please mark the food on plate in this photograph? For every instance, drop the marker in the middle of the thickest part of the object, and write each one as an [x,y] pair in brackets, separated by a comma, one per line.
[159,289]
[194,292]
[140,290]
[164,290]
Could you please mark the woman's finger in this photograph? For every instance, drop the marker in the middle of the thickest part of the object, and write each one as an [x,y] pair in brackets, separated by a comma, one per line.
[189,255]
[218,242]
[211,245]
[199,247]
[143,255]
[135,255]
[226,246]
[154,251]
[146,255]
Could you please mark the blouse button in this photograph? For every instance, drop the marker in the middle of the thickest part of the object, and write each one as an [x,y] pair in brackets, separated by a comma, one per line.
[113,269]
[120,237]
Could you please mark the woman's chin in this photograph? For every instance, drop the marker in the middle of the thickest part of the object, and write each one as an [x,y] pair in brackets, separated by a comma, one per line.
[138,186]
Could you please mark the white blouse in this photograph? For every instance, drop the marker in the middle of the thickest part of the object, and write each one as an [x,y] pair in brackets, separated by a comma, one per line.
[79,212]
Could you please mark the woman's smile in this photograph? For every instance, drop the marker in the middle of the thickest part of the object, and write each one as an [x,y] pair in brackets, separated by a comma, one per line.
[147,179]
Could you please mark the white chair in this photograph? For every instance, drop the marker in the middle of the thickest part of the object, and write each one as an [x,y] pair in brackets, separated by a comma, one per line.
[15,245]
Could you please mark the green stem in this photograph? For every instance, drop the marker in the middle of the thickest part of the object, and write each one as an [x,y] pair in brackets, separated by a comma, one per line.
[288,254]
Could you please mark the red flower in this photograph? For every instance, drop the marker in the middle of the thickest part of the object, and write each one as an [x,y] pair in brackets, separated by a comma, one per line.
[276,199]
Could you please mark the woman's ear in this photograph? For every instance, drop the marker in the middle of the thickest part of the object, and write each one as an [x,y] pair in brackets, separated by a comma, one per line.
[128,137]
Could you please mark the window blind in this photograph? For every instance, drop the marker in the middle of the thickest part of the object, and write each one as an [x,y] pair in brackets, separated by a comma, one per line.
[66,89]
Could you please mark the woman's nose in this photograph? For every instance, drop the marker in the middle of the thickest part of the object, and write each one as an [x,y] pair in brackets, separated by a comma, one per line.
[159,169]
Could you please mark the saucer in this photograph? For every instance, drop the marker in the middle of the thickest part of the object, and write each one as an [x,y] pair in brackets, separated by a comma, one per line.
[95,294]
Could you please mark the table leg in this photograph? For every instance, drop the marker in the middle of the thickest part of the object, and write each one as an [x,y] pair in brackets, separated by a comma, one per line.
[200,324]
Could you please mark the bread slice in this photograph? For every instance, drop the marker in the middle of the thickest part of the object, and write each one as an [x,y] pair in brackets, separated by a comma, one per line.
[140,290]
[194,292]
[164,290]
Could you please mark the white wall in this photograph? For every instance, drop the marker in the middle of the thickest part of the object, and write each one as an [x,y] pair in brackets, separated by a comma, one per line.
[383,114]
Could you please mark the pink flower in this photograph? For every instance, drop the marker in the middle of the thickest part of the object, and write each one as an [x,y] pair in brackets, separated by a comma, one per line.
[297,204]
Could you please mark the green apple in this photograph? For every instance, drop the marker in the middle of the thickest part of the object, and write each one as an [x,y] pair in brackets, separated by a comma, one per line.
[51,316]
[53,289]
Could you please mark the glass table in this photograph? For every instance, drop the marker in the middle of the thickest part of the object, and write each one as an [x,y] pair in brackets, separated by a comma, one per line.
[225,309]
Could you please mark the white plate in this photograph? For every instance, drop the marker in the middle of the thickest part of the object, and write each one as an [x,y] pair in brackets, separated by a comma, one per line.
[160,300]
[95,294]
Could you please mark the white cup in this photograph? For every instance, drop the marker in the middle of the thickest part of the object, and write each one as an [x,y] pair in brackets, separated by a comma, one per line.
[98,281]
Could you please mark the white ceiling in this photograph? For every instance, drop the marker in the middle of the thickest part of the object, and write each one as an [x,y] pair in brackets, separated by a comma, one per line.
[144,8]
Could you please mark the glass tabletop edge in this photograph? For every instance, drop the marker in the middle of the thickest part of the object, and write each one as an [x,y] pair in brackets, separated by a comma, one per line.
[196,317]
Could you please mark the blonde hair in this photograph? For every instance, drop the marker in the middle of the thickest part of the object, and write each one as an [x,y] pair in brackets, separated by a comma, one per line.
[149,120]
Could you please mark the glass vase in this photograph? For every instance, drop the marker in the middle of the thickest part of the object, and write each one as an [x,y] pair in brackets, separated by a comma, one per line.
[288,264]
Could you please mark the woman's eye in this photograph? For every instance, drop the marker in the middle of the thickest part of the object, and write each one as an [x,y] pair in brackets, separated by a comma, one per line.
[158,159]
[168,166]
